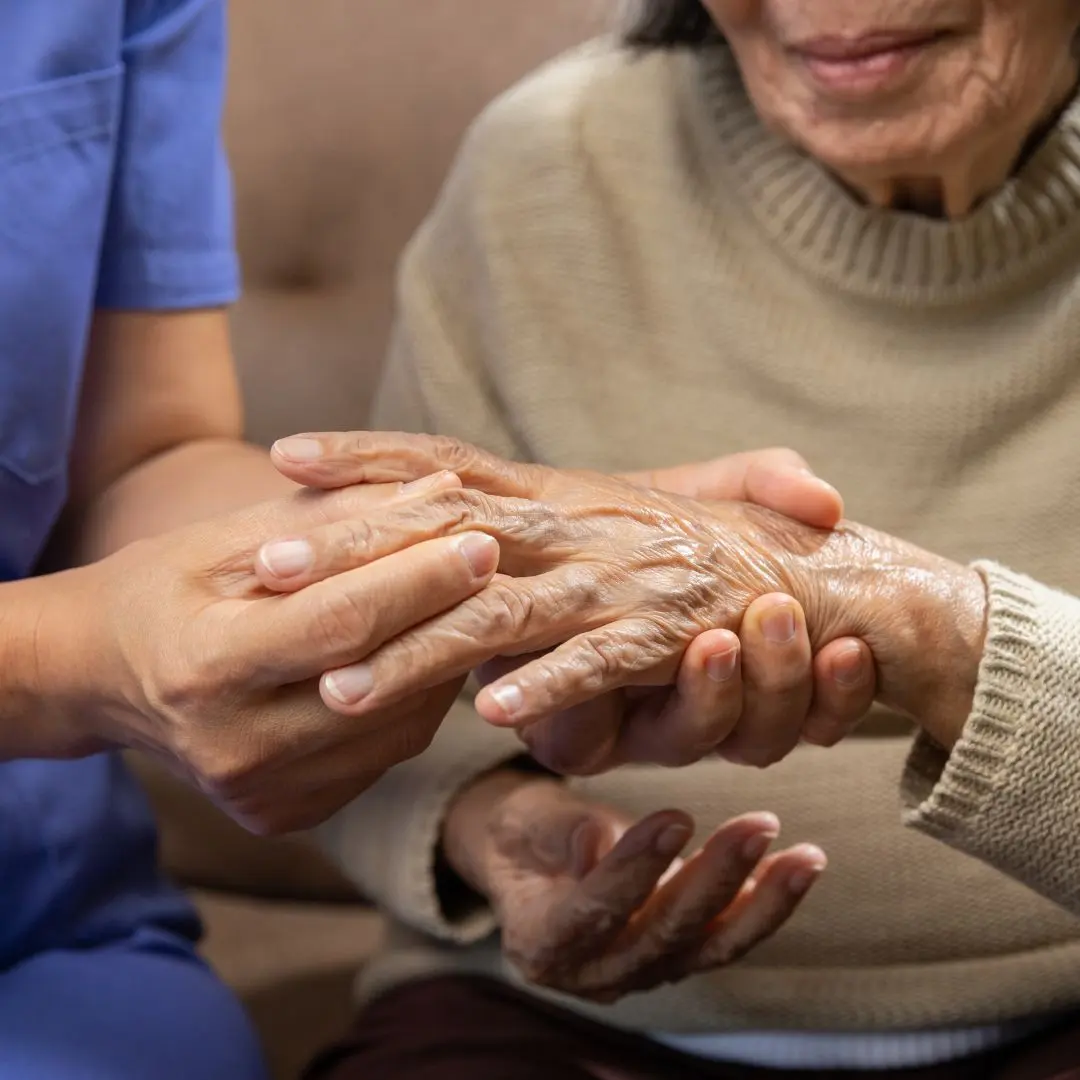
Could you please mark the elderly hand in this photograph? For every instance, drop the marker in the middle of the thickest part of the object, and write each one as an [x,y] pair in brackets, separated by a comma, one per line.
[217,677]
[725,681]
[625,578]
[592,904]
[763,678]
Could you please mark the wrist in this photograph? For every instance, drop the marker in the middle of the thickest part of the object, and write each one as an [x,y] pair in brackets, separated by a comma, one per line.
[51,675]
[466,835]
[923,616]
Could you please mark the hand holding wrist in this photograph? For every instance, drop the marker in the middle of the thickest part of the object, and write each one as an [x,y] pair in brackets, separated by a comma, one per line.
[923,616]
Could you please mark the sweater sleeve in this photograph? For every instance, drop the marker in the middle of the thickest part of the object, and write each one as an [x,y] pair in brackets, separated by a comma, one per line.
[1009,792]
[387,841]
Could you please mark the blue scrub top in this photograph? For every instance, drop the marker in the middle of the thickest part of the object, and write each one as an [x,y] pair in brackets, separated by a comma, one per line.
[114,193]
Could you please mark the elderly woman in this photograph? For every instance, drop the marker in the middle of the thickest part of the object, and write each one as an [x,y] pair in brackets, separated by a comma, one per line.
[853,228]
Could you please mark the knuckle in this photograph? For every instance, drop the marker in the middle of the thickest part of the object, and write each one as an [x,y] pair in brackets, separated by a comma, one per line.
[451,453]
[506,608]
[342,619]
[194,683]
[723,952]
[349,539]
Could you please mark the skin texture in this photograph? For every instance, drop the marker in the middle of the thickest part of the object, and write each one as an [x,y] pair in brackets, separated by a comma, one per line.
[166,641]
[596,905]
[169,643]
[616,581]
[936,140]
[744,676]
[196,664]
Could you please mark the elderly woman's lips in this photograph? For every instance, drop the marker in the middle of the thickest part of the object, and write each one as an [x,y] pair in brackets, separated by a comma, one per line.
[859,66]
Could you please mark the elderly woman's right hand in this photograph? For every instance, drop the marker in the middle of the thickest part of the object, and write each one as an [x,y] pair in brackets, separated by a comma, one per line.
[595,905]
[615,581]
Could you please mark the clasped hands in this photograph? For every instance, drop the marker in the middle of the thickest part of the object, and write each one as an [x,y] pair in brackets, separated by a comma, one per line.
[613,621]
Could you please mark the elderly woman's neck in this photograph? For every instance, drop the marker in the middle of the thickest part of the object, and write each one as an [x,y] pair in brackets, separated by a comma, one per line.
[959,188]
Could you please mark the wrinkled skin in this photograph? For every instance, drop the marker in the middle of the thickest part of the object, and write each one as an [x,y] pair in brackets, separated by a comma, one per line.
[616,581]
[949,129]
[593,904]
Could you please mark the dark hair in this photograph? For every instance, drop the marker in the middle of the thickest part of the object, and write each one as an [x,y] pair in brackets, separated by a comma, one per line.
[671,24]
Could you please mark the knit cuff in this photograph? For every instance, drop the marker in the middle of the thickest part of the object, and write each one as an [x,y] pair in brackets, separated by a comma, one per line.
[387,840]
[1009,784]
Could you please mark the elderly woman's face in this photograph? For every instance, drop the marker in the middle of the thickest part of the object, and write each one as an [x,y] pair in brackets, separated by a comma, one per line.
[920,91]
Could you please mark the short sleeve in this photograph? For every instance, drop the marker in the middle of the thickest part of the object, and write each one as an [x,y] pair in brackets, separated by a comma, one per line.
[169,237]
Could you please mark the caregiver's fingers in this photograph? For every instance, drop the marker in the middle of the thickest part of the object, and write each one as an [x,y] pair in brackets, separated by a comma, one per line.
[284,639]
[777,682]
[845,684]
[702,709]
[336,459]
[534,537]
[509,616]
[579,741]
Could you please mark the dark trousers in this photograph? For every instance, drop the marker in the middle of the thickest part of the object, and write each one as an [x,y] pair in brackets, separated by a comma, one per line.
[462,1028]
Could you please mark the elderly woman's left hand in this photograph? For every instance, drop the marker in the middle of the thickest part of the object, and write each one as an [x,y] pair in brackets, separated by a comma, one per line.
[597,905]
[622,579]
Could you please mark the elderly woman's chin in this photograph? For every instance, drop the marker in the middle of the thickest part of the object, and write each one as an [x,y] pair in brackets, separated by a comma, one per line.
[926,107]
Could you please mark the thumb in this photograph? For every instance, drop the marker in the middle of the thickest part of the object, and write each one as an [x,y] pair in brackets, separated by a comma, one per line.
[778,479]
[567,834]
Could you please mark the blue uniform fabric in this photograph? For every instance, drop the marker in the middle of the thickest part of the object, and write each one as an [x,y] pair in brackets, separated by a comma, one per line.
[114,193]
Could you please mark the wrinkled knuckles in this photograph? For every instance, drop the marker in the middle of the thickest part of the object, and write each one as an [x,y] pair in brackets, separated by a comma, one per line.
[342,620]
[506,611]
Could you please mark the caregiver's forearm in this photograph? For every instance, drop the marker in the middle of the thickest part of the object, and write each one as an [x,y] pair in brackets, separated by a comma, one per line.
[194,481]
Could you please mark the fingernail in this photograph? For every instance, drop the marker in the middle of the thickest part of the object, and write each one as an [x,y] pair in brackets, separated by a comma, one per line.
[672,840]
[778,624]
[299,449]
[508,697]
[721,666]
[481,553]
[801,880]
[287,558]
[349,684]
[848,666]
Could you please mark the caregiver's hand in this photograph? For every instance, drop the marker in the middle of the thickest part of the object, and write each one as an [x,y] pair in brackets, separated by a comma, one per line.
[198,665]
[730,689]
[627,577]
[592,904]
[725,682]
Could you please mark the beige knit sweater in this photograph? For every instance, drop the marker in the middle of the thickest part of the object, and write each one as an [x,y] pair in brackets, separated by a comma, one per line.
[625,270]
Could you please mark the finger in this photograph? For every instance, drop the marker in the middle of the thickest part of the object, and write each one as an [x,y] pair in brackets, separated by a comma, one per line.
[701,712]
[509,616]
[285,639]
[777,682]
[592,915]
[680,915]
[531,536]
[763,909]
[595,662]
[845,685]
[333,459]
[285,564]
[779,479]
[580,741]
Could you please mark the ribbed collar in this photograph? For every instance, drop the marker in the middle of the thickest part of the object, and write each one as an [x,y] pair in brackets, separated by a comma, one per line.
[1026,226]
